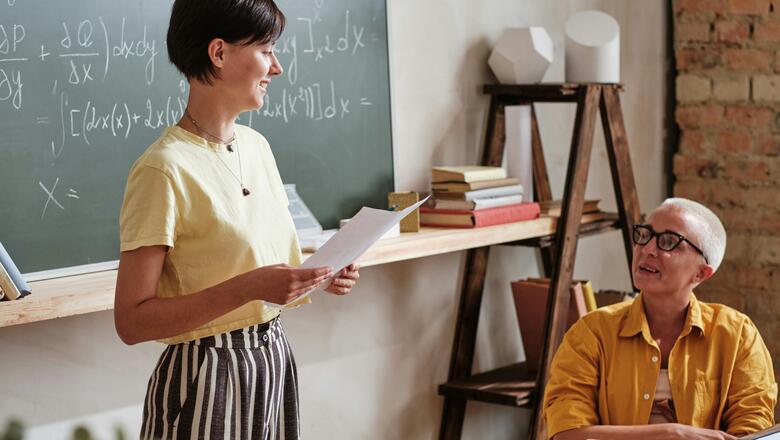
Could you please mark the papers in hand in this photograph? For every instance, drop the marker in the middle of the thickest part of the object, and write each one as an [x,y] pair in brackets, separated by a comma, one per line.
[356,237]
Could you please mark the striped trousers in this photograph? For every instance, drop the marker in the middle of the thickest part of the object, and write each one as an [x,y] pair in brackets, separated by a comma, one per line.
[237,385]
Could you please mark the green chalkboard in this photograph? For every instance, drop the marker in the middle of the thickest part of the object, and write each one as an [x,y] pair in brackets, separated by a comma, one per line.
[86,86]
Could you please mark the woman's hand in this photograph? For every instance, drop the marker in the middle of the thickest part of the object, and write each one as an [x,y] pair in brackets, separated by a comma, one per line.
[346,279]
[282,284]
[691,432]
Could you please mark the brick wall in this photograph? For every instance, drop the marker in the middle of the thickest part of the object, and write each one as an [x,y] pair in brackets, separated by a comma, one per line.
[727,54]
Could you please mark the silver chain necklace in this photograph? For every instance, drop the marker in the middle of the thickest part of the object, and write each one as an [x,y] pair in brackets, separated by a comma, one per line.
[229,144]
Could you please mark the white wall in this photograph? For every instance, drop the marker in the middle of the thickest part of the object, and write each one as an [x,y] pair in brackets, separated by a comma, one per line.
[370,363]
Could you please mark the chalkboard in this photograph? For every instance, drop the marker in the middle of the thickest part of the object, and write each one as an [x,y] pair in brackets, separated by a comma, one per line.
[86,86]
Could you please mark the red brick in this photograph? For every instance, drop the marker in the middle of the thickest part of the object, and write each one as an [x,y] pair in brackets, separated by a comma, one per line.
[755,277]
[768,222]
[725,195]
[710,291]
[697,59]
[754,7]
[768,31]
[694,167]
[746,116]
[692,31]
[747,59]
[693,142]
[699,5]
[694,189]
[734,141]
[696,116]
[745,169]
[732,31]
[767,145]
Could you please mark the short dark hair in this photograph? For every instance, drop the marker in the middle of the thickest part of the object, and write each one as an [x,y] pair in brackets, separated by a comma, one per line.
[194,23]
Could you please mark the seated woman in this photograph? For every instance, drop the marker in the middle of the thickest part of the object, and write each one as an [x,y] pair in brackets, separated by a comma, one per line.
[666,365]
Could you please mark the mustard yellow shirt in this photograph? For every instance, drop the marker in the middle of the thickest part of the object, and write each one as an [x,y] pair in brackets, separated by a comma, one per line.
[184,193]
[605,371]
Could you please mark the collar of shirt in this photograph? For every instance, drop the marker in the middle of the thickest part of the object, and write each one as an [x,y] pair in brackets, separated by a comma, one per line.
[636,320]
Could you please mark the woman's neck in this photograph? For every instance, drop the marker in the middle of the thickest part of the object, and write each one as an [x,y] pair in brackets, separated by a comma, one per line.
[665,313]
[209,116]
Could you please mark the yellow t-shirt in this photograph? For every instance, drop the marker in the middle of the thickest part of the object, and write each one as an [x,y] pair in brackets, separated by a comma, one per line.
[184,192]
[606,370]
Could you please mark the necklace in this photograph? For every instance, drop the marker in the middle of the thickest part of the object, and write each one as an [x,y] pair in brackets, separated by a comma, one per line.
[232,141]
[228,142]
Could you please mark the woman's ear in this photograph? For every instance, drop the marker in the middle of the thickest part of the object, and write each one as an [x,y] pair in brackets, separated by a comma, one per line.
[216,49]
[704,273]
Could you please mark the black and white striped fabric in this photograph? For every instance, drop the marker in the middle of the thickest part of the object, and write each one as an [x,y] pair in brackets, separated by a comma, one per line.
[237,385]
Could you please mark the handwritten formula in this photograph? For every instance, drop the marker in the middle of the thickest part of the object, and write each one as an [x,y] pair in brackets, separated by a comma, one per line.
[86,86]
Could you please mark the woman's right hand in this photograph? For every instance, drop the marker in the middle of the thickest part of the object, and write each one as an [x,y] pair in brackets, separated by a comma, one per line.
[281,283]
[691,432]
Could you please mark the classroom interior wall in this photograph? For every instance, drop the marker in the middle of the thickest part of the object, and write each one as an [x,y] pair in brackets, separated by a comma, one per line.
[370,363]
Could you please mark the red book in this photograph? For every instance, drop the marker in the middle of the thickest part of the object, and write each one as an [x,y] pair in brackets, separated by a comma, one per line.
[531,297]
[452,218]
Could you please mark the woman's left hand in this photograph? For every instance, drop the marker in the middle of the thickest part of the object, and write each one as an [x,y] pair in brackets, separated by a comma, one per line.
[343,282]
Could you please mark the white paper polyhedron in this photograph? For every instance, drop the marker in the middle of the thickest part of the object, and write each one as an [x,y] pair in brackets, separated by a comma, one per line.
[522,55]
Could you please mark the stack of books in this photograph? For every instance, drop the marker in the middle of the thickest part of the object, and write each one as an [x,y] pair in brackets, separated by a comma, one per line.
[474,196]
[12,284]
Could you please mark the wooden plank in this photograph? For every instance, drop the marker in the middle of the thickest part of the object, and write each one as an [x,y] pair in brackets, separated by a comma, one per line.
[620,165]
[511,385]
[536,92]
[465,339]
[58,298]
[94,292]
[573,199]
[495,135]
[542,191]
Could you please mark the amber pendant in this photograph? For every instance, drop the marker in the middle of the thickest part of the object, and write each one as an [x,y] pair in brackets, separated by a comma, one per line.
[245,191]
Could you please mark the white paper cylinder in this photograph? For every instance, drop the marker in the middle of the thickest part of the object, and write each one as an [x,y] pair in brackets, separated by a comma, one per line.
[592,48]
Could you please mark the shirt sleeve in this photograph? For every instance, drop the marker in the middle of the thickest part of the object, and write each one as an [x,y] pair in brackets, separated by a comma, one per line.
[148,215]
[752,394]
[571,394]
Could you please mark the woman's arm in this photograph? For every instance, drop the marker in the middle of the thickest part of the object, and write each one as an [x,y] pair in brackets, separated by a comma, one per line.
[139,315]
[663,431]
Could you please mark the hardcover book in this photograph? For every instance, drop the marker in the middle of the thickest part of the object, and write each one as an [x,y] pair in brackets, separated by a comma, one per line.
[481,193]
[466,174]
[480,217]
[530,297]
[471,186]
[468,205]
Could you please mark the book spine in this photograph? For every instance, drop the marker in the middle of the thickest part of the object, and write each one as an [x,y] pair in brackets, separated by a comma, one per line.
[506,214]
[13,273]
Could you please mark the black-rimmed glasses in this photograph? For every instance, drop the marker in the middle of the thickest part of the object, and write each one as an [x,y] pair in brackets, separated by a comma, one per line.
[666,241]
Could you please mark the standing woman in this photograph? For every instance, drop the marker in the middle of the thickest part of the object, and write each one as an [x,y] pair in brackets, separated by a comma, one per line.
[207,242]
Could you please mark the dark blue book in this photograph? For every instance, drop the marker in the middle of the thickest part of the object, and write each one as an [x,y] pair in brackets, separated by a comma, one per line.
[10,273]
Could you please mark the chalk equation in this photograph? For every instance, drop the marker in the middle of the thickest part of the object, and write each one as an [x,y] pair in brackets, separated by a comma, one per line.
[100,81]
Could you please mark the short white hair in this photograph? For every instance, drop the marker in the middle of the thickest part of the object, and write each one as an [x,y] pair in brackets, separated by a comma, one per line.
[711,236]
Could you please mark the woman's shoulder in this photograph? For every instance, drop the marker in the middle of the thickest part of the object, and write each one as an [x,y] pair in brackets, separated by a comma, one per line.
[249,133]
[164,154]
[717,315]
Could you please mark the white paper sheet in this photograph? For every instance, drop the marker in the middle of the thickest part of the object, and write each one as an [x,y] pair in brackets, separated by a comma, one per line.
[354,239]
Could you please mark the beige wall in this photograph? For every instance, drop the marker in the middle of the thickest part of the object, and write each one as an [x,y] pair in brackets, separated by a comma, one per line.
[370,363]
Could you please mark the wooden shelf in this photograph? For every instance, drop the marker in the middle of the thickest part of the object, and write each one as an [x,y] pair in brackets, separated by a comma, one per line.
[94,292]
[511,385]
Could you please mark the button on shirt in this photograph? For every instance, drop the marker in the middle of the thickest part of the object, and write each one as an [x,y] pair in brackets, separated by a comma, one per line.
[606,370]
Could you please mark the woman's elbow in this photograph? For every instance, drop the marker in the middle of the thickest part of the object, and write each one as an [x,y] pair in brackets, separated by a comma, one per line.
[125,329]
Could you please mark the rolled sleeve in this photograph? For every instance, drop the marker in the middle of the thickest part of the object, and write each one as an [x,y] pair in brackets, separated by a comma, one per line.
[571,395]
[149,213]
[752,394]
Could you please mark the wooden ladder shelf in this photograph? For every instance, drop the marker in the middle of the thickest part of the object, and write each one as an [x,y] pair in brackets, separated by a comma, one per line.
[517,385]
